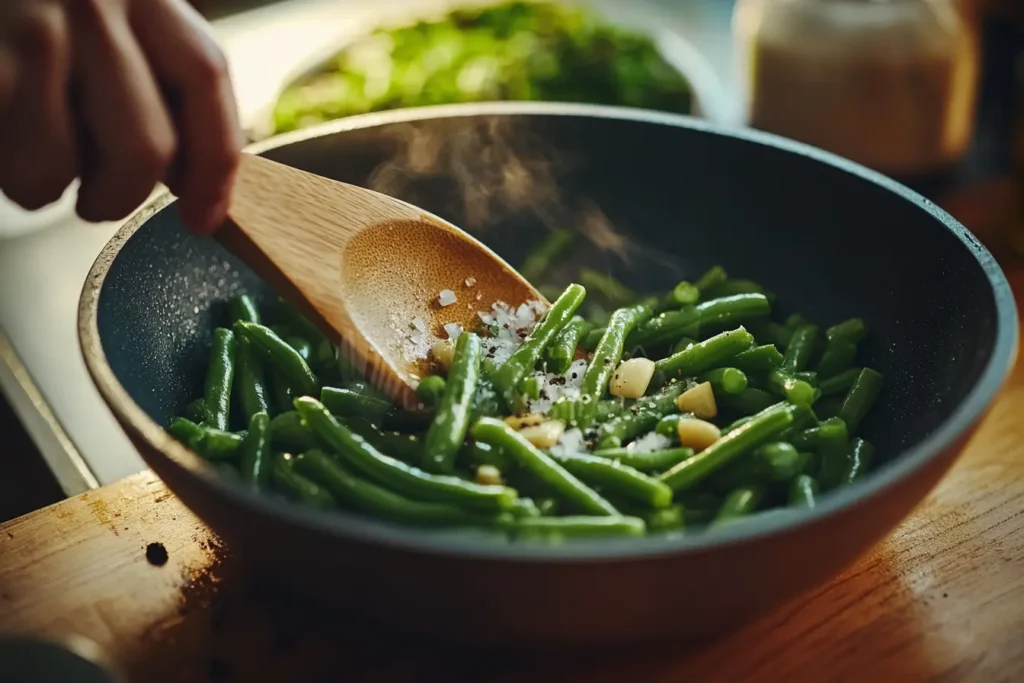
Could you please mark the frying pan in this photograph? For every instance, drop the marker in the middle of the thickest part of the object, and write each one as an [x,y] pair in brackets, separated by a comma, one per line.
[658,197]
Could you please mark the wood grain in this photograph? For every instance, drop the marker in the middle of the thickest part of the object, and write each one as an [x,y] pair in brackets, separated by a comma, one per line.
[364,266]
[940,601]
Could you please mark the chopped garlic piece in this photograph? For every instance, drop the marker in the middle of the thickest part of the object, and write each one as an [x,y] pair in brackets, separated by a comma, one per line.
[544,435]
[443,351]
[631,378]
[697,434]
[528,420]
[488,475]
[699,400]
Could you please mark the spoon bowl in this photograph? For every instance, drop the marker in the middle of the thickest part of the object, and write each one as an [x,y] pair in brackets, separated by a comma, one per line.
[381,277]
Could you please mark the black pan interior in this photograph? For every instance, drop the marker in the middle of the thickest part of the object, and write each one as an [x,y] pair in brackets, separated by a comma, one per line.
[661,202]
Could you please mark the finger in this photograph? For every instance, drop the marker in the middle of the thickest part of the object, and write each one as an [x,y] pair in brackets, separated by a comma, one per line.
[37,142]
[192,68]
[130,133]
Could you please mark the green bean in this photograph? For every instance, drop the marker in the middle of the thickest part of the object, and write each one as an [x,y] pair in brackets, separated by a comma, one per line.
[829,432]
[699,507]
[242,307]
[803,491]
[297,487]
[683,294]
[843,463]
[838,356]
[287,360]
[769,463]
[808,376]
[211,443]
[477,453]
[860,398]
[219,377]
[451,421]
[324,352]
[596,315]
[539,260]
[525,507]
[572,411]
[801,347]
[748,402]
[761,429]
[651,461]
[301,346]
[706,355]
[735,286]
[357,453]
[683,344]
[615,477]
[690,321]
[431,390]
[715,276]
[524,358]
[256,462]
[794,390]
[849,331]
[486,401]
[668,426]
[725,380]
[530,387]
[543,467]
[771,333]
[187,432]
[738,504]
[828,407]
[607,356]
[250,381]
[281,394]
[616,293]
[289,433]
[668,519]
[405,447]
[556,529]
[641,418]
[763,358]
[840,383]
[348,403]
[796,320]
[196,411]
[562,351]
[365,496]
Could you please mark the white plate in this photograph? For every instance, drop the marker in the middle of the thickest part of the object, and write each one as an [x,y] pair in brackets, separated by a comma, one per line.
[269,47]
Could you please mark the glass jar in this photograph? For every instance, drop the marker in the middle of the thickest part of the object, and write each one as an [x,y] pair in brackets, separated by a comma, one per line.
[888,83]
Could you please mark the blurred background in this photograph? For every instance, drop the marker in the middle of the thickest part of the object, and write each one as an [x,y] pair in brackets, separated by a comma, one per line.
[930,92]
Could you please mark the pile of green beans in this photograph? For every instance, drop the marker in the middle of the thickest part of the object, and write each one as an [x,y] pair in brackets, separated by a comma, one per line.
[282,412]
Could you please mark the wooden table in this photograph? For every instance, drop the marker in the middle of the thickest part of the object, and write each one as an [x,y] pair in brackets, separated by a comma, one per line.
[942,599]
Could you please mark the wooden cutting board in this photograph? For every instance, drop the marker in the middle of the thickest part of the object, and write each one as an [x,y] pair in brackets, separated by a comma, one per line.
[941,600]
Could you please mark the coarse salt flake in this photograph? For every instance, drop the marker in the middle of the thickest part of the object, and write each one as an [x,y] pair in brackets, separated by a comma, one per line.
[446,297]
[650,442]
[453,330]
[470,281]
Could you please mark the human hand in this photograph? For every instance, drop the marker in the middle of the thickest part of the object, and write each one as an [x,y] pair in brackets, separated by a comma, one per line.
[123,94]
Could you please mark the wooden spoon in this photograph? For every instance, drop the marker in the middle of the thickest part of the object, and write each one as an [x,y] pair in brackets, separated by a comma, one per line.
[368,269]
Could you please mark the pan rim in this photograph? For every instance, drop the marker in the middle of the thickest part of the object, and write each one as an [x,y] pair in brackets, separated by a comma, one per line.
[457,545]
